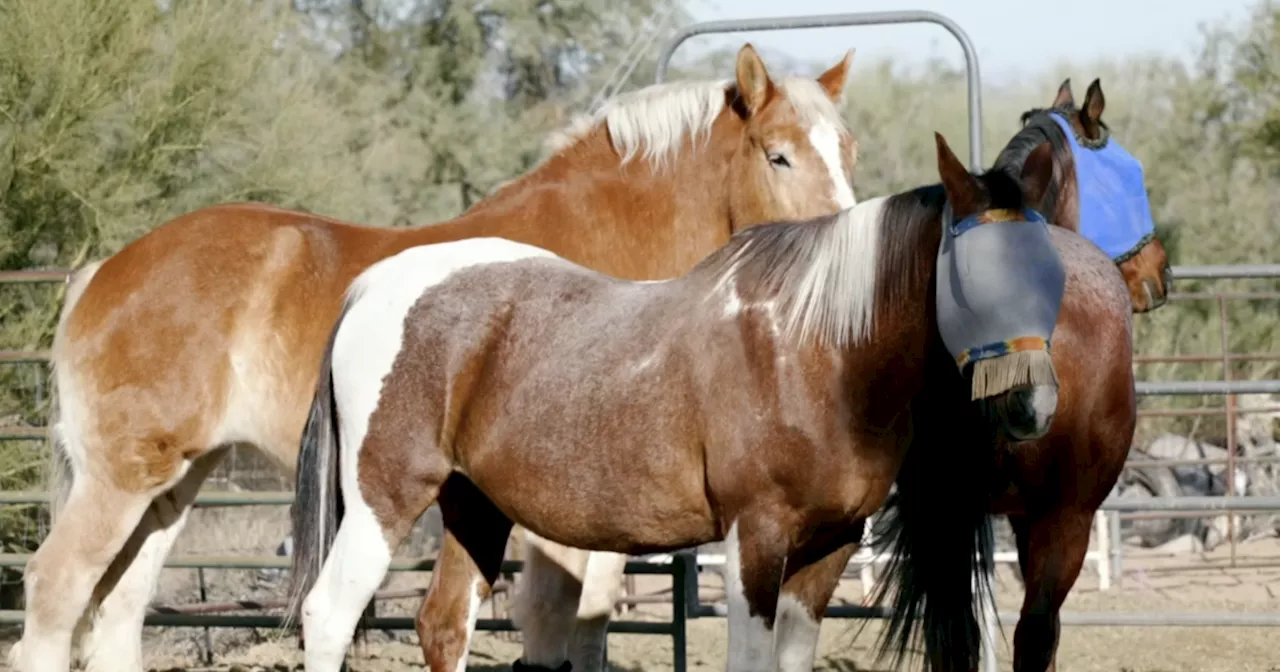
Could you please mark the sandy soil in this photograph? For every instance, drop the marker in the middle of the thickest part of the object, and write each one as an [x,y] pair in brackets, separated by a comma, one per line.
[1153,581]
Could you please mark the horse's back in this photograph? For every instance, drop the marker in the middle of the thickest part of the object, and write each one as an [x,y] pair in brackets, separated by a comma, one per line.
[393,313]
[1093,273]
[1096,296]
[411,272]
[210,259]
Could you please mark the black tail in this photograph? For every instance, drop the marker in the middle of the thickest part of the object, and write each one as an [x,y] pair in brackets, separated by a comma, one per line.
[937,531]
[317,504]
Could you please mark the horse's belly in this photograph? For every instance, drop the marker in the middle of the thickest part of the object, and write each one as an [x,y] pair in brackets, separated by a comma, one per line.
[596,498]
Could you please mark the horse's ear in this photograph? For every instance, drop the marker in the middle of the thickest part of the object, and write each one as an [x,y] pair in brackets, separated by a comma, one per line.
[833,80]
[1037,175]
[1064,97]
[1091,112]
[964,192]
[754,84]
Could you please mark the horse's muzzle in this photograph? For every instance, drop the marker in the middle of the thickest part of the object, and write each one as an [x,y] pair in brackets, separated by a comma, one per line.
[1024,413]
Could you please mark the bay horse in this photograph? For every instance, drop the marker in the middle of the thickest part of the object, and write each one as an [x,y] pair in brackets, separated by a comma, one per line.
[1050,488]
[1095,210]
[763,398]
[207,331]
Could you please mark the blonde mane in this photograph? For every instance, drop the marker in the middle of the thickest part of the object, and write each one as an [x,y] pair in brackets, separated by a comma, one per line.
[821,273]
[654,121]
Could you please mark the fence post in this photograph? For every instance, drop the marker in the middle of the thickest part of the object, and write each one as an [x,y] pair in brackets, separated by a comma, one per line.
[684,568]
[1117,547]
[1103,533]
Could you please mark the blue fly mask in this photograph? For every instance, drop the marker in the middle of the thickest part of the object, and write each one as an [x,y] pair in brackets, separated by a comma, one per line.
[999,288]
[1114,211]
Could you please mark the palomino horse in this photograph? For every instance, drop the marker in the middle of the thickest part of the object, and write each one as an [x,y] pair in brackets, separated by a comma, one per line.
[207,331]
[763,398]
[1086,204]
[1052,488]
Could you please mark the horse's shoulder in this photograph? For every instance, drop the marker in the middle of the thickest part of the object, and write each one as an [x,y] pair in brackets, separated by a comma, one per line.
[1091,274]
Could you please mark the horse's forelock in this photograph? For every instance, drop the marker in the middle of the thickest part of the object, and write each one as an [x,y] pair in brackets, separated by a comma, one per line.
[812,104]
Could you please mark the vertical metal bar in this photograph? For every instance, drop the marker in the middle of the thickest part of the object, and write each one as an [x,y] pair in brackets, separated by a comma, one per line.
[40,389]
[681,569]
[973,77]
[208,635]
[1104,550]
[1231,424]
[1117,547]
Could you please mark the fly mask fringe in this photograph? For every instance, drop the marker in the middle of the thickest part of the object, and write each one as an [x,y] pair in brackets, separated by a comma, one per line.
[997,375]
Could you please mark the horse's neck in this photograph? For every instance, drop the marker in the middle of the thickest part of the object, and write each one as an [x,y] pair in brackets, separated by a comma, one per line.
[1062,198]
[883,371]
[657,222]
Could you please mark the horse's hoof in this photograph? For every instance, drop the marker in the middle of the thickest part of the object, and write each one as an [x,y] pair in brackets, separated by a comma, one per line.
[521,666]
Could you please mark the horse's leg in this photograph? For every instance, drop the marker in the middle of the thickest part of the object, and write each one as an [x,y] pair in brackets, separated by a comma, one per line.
[1051,551]
[374,523]
[812,575]
[755,555]
[93,526]
[114,640]
[471,560]
[546,600]
[601,588]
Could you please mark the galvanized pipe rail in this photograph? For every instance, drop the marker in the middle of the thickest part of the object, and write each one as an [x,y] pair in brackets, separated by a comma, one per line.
[676,628]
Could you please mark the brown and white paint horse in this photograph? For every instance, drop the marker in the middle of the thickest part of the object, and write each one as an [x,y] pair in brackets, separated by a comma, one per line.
[764,398]
[1077,465]
[207,331]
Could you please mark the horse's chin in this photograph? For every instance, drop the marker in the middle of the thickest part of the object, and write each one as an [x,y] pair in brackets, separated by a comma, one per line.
[1024,413]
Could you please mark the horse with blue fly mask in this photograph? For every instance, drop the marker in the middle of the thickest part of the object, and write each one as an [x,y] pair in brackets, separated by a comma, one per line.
[1052,487]
[764,398]
[1101,190]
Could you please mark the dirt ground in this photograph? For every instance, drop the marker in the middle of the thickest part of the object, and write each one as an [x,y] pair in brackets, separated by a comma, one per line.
[1154,580]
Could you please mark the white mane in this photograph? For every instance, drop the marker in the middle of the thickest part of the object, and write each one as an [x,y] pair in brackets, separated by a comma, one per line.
[823,272]
[654,121]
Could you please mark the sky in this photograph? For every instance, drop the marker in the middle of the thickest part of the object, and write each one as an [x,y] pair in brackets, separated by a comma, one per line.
[1005,33]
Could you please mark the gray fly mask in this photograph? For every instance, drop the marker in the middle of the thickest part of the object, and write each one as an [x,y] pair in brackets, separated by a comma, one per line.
[999,289]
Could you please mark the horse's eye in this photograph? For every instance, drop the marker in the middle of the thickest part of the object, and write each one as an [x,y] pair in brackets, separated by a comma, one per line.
[779,160]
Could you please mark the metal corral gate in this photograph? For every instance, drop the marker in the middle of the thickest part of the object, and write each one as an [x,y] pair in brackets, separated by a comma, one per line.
[683,567]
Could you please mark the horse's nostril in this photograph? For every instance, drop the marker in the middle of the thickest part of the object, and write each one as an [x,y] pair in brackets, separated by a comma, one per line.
[1167,276]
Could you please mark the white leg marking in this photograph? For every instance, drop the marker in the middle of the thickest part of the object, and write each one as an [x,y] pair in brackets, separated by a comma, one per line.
[795,635]
[602,584]
[114,640]
[750,641]
[826,141]
[62,574]
[360,555]
[473,613]
[351,574]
